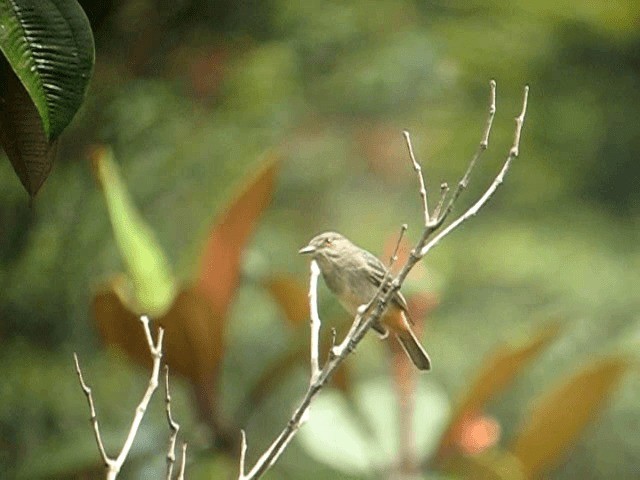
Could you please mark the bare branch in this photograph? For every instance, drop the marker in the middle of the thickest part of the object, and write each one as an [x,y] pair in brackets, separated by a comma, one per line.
[418,170]
[484,144]
[513,153]
[114,465]
[174,427]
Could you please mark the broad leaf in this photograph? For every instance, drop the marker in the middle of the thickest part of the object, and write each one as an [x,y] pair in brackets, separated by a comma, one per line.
[559,416]
[153,284]
[49,45]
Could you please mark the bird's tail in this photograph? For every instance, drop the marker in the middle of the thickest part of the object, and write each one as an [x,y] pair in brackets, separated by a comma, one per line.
[414,350]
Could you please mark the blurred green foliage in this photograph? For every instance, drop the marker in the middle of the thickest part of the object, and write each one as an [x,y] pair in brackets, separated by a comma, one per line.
[190,94]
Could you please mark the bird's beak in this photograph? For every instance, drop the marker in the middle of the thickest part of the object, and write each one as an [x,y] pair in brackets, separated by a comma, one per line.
[307,249]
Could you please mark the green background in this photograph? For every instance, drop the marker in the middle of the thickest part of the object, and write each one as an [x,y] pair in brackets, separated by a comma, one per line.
[191,93]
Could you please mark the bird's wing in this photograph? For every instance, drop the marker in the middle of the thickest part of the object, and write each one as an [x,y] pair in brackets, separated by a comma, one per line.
[376,272]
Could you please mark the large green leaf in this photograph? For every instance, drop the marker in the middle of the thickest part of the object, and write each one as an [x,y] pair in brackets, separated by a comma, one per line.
[49,45]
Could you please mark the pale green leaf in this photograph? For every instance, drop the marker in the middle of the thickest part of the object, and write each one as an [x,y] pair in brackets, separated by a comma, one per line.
[154,288]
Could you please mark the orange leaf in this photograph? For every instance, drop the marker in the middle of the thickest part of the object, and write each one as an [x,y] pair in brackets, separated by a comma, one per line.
[219,270]
[291,296]
[199,337]
[497,371]
[559,416]
[193,342]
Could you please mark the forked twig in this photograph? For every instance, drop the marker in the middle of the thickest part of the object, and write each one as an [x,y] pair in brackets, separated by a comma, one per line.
[113,465]
[484,144]
[513,153]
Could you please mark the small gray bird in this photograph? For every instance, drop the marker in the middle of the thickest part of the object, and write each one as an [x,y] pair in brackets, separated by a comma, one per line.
[354,276]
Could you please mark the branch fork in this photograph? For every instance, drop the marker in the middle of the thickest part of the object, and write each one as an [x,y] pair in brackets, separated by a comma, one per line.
[371,312]
[114,465]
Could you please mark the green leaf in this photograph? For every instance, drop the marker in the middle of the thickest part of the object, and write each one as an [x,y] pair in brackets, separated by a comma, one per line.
[49,45]
[154,288]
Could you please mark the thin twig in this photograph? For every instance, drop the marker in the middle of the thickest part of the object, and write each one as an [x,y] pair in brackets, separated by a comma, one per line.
[92,412]
[515,149]
[174,427]
[114,465]
[371,313]
[444,190]
[394,256]
[315,321]
[418,170]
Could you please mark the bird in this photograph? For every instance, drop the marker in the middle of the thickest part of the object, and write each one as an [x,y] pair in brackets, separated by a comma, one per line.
[354,275]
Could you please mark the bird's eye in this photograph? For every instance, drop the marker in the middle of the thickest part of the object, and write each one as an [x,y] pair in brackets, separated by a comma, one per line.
[328,242]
